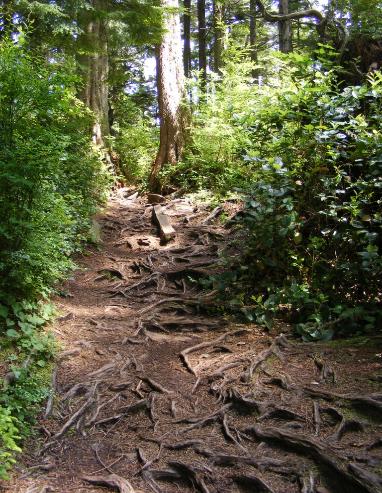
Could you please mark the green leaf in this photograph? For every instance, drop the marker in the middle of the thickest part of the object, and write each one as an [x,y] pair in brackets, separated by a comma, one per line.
[12,333]
[3,311]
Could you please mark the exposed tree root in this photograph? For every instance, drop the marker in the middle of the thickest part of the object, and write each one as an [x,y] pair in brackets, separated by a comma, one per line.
[251,484]
[324,456]
[273,350]
[359,401]
[141,405]
[190,473]
[156,386]
[78,414]
[112,481]
[203,345]
[347,425]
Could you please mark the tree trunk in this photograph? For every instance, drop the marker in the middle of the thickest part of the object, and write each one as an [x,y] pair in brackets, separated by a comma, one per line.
[170,82]
[94,66]
[202,42]
[218,19]
[285,28]
[253,35]
[187,37]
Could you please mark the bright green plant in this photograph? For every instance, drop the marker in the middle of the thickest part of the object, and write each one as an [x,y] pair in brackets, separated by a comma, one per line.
[135,141]
[312,220]
[8,441]
[50,178]
[51,182]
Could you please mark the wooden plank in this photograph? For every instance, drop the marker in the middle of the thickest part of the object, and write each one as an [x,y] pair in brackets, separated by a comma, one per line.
[166,231]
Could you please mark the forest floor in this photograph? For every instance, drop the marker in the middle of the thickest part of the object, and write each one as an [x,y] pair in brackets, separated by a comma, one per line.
[153,393]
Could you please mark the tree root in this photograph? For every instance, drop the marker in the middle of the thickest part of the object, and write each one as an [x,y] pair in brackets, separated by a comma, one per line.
[156,386]
[281,413]
[202,345]
[244,404]
[264,463]
[274,350]
[308,483]
[347,425]
[228,435]
[251,484]
[201,422]
[142,404]
[348,482]
[190,473]
[316,418]
[74,419]
[112,481]
[359,401]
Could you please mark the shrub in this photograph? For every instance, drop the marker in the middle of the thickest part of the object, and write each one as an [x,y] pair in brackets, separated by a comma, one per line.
[312,221]
[135,141]
[50,178]
[51,182]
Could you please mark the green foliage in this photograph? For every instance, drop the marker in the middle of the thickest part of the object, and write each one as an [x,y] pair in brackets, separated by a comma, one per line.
[21,400]
[135,142]
[51,182]
[310,153]
[50,178]
[8,441]
[28,353]
[213,156]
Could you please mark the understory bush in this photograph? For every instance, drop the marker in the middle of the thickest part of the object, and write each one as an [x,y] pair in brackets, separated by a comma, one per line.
[306,153]
[135,141]
[51,182]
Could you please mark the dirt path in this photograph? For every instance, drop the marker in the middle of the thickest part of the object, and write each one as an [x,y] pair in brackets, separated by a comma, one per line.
[155,395]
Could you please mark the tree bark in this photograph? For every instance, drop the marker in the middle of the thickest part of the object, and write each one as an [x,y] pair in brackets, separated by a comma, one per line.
[285,28]
[170,83]
[187,37]
[202,42]
[94,66]
[218,19]
[253,35]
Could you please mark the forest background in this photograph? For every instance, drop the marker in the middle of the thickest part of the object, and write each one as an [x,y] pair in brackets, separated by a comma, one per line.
[277,106]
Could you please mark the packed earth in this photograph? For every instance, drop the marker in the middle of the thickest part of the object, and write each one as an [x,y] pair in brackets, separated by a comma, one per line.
[156,390]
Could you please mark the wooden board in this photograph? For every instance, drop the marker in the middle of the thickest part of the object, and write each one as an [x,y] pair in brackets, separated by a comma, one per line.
[166,231]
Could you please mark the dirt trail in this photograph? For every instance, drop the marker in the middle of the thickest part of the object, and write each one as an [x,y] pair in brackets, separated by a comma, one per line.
[154,394]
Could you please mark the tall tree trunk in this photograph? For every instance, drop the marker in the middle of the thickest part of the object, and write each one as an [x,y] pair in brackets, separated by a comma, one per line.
[94,66]
[285,28]
[202,42]
[218,19]
[170,82]
[253,35]
[187,37]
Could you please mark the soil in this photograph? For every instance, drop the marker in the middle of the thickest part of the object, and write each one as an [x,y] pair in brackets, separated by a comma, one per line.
[156,392]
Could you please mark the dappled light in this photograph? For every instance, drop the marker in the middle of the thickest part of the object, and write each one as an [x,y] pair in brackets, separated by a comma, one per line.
[190,246]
